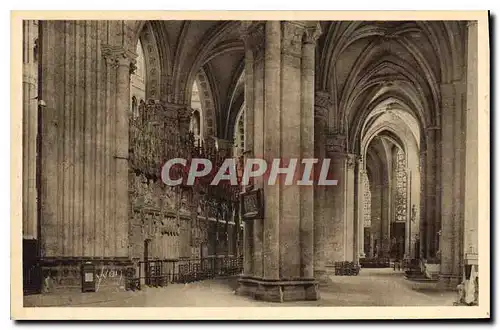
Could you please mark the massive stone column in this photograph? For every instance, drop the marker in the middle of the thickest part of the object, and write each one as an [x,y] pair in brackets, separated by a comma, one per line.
[351,241]
[322,104]
[333,207]
[248,247]
[272,259]
[339,203]
[376,217]
[431,192]
[84,143]
[307,112]
[30,127]
[121,60]
[452,174]
[408,230]
[471,201]
[423,218]
[385,219]
[283,112]
[360,199]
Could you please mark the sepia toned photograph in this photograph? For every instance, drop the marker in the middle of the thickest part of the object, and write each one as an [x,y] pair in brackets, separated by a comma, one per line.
[313,161]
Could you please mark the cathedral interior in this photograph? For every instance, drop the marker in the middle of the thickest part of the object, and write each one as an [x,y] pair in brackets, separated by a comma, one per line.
[393,104]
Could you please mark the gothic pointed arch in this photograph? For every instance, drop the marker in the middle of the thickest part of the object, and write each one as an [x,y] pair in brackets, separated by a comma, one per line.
[207,104]
[157,60]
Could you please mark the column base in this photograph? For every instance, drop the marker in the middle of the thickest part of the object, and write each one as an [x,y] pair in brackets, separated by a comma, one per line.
[278,291]
[322,277]
[63,274]
[449,281]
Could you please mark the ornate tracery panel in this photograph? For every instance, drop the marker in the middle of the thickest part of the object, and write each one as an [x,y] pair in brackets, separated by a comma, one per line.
[367,207]
[401,186]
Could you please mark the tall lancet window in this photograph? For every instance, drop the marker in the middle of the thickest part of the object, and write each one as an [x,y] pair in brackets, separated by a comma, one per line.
[367,201]
[401,186]
[137,82]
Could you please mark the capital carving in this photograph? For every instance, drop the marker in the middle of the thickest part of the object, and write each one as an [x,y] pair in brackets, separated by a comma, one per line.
[116,56]
[111,62]
[253,34]
[312,34]
[291,38]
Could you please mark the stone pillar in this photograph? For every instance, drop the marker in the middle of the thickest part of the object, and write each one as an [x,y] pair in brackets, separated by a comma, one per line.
[351,234]
[256,35]
[360,209]
[408,230]
[30,127]
[321,108]
[471,201]
[432,195]
[452,173]
[248,248]
[335,211]
[282,76]
[84,83]
[125,65]
[84,139]
[385,219]
[339,203]
[119,62]
[307,114]
[272,263]
[376,220]
[423,219]
[334,206]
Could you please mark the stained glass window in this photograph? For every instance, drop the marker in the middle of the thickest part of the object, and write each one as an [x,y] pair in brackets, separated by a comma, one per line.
[367,201]
[401,186]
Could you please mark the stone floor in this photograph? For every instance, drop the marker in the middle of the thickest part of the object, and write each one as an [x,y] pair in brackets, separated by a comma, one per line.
[373,287]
